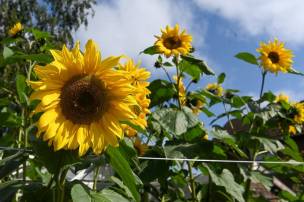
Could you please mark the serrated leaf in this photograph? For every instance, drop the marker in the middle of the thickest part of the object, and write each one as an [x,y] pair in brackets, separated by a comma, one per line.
[176,121]
[192,70]
[122,168]
[199,63]
[270,145]
[79,194]
[247,57]
[161,91]
[226,180]
[257,177]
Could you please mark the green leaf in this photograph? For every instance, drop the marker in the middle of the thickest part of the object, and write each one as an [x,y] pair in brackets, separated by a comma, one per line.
[39,58]
[192,70]
[167,64]
[247,57]
[293,71]
[273,146]
[21,88]
[199,63]
[40,34]
[4,101]
[228,139]
[226,180]
[136,127]
[221,78]
[257,177]
[152,50]
[161,91]
[108,195]
[54,160]
[122,168]
[8,119]
[79,194]
[7,52]
[176,121]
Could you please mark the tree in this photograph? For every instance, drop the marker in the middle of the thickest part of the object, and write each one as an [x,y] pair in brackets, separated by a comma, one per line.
[59,18]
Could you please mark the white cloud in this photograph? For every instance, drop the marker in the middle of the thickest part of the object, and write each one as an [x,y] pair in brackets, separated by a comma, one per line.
[276,18]
[128,27]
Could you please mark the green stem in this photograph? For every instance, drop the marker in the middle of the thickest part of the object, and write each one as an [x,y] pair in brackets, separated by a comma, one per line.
[177,82]
[192,182]
[97,170]
[60,183]
[228,117]
[263,82]
[248,181]
[167,74]
[209,189]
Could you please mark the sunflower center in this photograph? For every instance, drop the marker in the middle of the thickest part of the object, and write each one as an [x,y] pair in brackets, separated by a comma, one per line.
[172,42]
[83,99]
[274,57]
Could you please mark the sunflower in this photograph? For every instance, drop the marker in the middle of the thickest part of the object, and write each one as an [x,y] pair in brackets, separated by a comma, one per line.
[138,77]
[281,98]
[140,148]
[197,107]
[298,112]
[274,57]
[171,42]
[181,90]
[83,99]
[15,29]
[292,130]
[215,89]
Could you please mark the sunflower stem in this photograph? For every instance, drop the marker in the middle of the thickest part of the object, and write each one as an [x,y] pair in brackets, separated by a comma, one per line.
[175,60]
[228,117]
[263,82]
[192,182]
[97,170]
[168,75]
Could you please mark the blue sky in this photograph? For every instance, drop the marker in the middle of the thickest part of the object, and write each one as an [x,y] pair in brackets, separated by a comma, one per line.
[220,28]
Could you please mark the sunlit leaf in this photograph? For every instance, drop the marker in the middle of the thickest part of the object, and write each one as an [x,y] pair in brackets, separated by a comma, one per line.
[247,57]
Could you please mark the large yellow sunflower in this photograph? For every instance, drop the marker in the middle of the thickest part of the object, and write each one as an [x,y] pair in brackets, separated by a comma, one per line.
[171,42]
[83,99]
[138,77]
[15,29]
[274,57]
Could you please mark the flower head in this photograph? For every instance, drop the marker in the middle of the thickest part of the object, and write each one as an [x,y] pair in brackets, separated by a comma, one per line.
[215,89]
[274,57]
[298,112]
[15,29]
[138,77]
[292,130]
[171,42]
[197,107]
[83,99]
[181,90]
[281,98]
[141,148]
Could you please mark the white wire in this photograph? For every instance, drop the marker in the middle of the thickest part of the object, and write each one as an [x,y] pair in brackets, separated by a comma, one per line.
[223,161]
